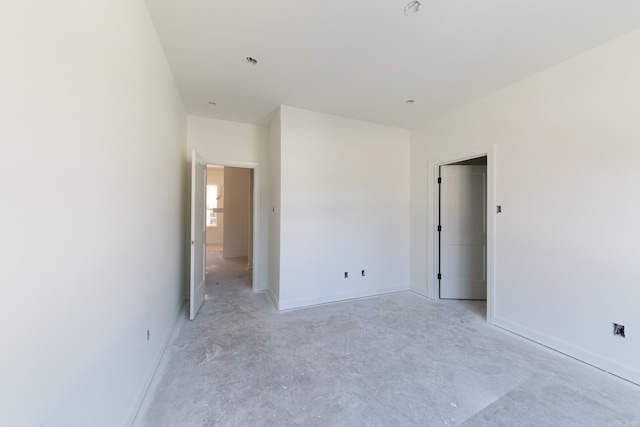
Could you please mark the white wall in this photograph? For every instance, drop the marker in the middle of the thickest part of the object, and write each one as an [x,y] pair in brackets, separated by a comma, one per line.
[92,134]
[344,207]
[566,144]
[243,145]
[215,176]
[237,211]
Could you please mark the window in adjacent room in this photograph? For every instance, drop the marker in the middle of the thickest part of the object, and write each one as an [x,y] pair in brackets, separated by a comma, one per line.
[212,205]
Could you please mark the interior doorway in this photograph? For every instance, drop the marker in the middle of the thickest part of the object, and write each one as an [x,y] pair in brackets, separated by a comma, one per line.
[229,225]
[462,230]
[433,259]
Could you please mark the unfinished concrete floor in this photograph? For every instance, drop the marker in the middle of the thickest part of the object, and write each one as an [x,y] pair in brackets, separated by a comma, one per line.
[393,360]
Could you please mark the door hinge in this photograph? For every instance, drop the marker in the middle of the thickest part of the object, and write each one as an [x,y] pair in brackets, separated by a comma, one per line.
[439,276]
[439,228]
[439,180]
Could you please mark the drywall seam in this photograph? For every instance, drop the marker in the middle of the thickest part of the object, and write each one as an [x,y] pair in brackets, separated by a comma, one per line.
[623,371]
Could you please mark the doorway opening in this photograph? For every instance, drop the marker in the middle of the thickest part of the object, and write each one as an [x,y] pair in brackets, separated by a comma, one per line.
[462,230]
[436,262]
[229,216]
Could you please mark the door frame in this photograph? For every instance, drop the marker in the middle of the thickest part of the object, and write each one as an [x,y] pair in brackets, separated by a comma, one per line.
[447,273]
[256,261]
[432,220]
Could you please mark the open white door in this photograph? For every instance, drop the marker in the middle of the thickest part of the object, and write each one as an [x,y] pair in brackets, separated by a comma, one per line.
[198,283]
[463,235]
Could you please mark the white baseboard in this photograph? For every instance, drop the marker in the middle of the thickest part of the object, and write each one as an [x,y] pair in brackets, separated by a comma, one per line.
[625,372]
[262,287]
[421,291]
[234,255]
[273,297]
[179,318]
[324,299]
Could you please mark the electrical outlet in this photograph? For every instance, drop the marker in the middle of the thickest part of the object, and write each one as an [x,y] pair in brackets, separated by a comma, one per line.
[148,334]
[618,330]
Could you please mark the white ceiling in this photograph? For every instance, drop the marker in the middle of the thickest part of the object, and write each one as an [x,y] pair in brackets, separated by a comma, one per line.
[364,59]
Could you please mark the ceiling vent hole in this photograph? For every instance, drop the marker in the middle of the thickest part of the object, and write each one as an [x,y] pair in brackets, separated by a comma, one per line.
[412,8]
[252,61]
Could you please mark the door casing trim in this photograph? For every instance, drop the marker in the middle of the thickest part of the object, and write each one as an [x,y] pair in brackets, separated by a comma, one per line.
[432,220]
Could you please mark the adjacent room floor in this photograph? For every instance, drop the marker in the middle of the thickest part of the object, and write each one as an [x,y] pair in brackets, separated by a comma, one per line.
[393,360]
